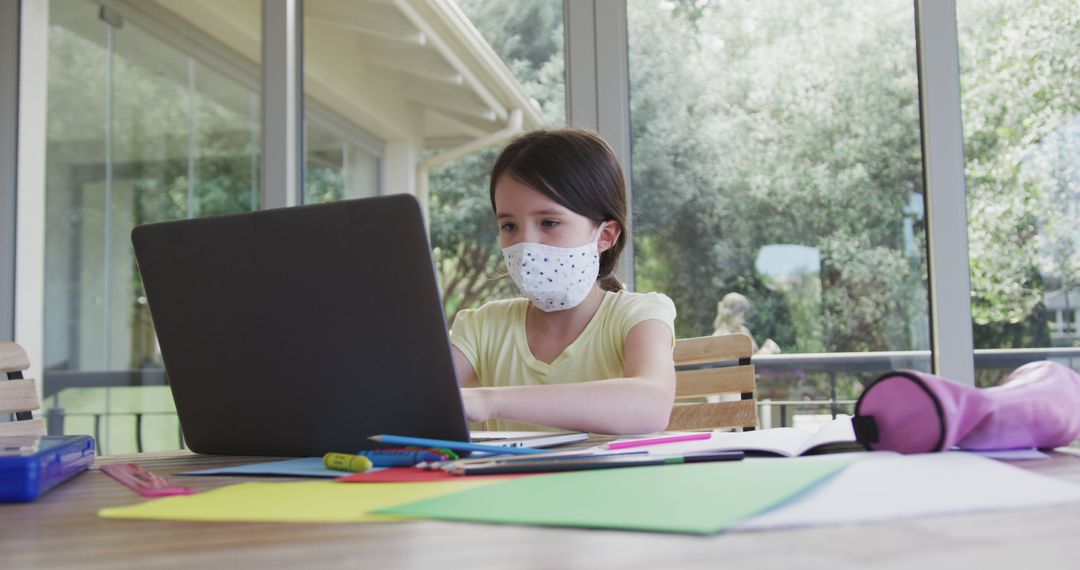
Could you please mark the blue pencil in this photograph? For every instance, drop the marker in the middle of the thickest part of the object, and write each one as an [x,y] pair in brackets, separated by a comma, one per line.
[455,445]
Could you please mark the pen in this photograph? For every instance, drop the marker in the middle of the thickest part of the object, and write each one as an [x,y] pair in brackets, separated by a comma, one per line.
[455,445]
[658,440]
[514,460]
[578,453]
[593,463]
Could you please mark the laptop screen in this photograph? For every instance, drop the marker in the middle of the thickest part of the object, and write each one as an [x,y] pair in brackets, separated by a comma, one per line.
[301,330]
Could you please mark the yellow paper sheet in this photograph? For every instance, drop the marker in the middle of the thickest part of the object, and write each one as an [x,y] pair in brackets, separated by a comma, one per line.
[307,501]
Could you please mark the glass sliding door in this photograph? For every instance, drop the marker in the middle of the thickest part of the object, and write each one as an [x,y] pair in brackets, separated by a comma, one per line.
[140,130]
[778,185]
[1020,87]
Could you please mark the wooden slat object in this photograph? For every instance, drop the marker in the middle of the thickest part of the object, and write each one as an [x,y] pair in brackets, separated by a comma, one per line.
[714,381]
[707,349]
[742,413]
[18,396]
[12,357]
[35,426]
[730,373]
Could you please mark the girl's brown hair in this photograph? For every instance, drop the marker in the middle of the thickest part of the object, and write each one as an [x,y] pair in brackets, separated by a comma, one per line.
[578,170]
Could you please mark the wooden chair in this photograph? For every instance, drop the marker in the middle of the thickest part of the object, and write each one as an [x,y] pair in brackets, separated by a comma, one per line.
[18,395]
[712,366]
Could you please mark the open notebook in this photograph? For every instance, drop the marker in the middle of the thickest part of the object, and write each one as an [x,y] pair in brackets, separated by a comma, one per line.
[834,437]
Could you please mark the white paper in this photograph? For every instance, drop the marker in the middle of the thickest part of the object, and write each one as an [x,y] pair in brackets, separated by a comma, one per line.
[781,441]
[881,487]
[1013,454]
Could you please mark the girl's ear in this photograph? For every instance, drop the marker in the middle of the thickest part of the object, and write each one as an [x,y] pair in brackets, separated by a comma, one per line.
[609,235]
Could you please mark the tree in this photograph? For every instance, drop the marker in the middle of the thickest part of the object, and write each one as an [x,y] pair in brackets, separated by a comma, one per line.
[763,128]
[1020,69]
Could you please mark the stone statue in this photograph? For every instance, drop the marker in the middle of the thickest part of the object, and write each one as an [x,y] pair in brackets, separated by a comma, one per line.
[731,314]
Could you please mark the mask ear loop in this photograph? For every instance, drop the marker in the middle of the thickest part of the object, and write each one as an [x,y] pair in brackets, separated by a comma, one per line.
[599,230]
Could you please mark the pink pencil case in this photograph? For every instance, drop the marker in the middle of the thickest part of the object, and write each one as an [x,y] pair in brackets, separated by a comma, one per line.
[1037,405]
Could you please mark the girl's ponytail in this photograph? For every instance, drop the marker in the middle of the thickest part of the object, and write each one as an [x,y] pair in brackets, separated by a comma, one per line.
[611,283]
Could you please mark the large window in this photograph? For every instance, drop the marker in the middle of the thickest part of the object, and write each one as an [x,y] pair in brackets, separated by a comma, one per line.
[139,131]
[1020,73]
[777,180]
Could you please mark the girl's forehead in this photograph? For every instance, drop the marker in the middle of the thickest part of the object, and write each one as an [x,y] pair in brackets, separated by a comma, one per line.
[511,194]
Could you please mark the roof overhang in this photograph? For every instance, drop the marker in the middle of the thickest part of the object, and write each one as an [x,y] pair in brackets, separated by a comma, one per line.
[401,70]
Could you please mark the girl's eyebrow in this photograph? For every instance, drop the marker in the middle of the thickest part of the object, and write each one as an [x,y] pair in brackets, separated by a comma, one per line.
[548,212]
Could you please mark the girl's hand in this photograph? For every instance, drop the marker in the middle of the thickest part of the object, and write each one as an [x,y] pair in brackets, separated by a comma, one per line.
[477,405]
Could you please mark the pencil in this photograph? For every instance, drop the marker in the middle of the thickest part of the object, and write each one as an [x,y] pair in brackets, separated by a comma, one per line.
[455,445]
[606,462]
[514,460]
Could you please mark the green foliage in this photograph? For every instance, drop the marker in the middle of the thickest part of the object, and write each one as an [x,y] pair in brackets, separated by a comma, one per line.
[323,185]
[862,290]
[464,234]
[763,130]
[768,123]
[1020,69]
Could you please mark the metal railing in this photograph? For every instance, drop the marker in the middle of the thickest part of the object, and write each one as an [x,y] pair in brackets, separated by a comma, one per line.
[56,381]
[790,368]
[58,416]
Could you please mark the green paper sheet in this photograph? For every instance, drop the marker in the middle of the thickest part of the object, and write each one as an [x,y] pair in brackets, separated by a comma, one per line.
[698,498]
[307,501]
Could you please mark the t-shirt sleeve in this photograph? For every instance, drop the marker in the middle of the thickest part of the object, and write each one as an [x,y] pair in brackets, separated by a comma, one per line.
[465,335]
[646,307]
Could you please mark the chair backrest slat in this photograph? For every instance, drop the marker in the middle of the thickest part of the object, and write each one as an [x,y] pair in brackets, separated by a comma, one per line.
[18,396]
[718,366]
[714,381]
[12,358]
[742,413]
[35,426]
[706,349]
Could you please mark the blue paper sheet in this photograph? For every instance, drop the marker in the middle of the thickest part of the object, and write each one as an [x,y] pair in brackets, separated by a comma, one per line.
[299,467]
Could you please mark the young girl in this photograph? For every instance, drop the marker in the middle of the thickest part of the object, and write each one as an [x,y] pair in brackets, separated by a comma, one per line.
[578,352]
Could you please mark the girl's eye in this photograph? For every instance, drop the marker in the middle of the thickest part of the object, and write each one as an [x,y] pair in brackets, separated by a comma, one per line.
[508,227]
[550,223]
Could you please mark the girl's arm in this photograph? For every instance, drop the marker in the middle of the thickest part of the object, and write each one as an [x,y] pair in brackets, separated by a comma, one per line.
[639,403]
[466,376]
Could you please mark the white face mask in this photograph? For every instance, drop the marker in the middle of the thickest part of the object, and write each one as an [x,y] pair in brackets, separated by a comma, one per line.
[554,278]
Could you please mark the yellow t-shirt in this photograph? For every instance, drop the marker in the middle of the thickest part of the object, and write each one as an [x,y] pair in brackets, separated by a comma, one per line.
[493,340]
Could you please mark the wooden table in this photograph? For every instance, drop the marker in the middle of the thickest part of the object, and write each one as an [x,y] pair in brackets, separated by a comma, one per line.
[62,530]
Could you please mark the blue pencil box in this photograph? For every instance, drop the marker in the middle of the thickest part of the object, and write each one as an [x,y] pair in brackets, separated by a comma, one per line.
[31,465]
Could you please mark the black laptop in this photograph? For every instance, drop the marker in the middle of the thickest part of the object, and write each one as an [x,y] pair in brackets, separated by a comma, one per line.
[302,330]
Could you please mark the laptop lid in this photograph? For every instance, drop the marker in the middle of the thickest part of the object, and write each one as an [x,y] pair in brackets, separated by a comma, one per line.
[301,330]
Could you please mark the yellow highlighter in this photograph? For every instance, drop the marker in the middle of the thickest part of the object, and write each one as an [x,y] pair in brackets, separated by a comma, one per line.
[346,462]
